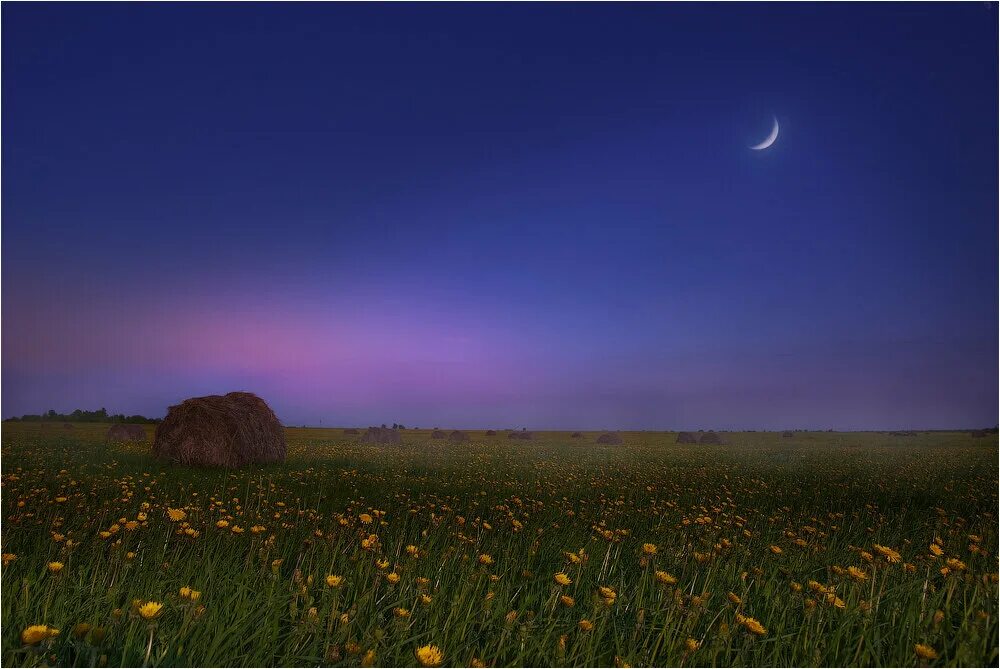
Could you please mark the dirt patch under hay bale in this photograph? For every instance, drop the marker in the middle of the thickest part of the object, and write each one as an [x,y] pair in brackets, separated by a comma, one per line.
[711,438]
[124,432]
[609,438]
[576,435]
[382,435]
[438,434]
[458,437]
[523,435]
[491,433]
[687,438]
[351,431]
[221,431]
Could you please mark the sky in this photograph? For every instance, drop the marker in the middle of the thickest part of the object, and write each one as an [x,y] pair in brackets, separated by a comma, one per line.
[504,215]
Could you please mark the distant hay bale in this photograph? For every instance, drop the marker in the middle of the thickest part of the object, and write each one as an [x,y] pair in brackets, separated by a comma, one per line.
[687,438]
[382,435]
[221,431]
[710,438]
[576,435]
[438,434]
[125,432]
[609,438]
[491,433]
[351,431]
[977,434]
[68,426]
[904,433]
[457,436]
[523,435]
[787,434]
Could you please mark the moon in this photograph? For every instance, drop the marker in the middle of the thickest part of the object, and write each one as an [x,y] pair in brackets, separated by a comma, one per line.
[770,138]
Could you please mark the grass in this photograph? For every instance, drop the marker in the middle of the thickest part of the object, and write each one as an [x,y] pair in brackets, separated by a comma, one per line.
[762,529]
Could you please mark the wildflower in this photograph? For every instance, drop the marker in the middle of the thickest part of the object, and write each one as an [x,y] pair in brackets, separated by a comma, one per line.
[55,567]
[665,578]
[485,559]
[365,518]
[955,564]
[585,625]
[796,587]
[190,593]
[649,549]
[334,581]
[80,630]
[889,554]
[567,601]
[236,529]
[857,574]
[276,564]
[751,625]
[257,529]
[412,551]
[607,594]
[429,656]
[150,610]
[392,578]
[222,524]
[562,579]
[925,652]
[36,634]
[8,558]
[130,555]
[382,564]
[692,645]
[370,542]
[425,599]
[176,515]
[734,598]
[476,662]
[938,616]
[401,612]
[936,550]
[776,550]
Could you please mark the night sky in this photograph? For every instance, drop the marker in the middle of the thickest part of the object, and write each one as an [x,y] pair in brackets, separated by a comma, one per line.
[504,215]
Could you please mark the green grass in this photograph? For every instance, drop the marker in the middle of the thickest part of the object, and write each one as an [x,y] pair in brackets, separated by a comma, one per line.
[525,504]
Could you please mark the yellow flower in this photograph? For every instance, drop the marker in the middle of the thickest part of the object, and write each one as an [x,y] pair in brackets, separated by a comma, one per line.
[796,587]
[955,564]
[562,579]
[751,625]
[236,529]
[150,610]
[734,598]
[369,658]
[938,616]
[486,559]
[392,578]
[567,601]
[401,613]
[185,592]
[365,518]
[889,554]
[936,550]
[692,645]
[176,515]
[925,652]
[382,564]
[189,593]
[130,555]
[55,567]
[370,542]
[80,630]
[585,625]
[425,599]
[429,656]
[36,634]
[334,581]
[8,558]
[776,550]
[607,594]
[649,549]
[857,574]
[222,524]
[665,578]
[257,529]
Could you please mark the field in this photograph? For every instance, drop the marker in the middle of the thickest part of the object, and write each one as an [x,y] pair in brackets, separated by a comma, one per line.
[823,549]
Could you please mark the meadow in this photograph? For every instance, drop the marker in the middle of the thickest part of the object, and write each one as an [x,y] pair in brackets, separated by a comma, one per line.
[845,549]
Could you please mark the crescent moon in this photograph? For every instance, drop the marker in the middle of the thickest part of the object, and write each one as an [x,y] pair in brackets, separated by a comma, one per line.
[770,138]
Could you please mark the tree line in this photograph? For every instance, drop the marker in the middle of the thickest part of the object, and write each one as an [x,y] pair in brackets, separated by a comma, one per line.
[81,416]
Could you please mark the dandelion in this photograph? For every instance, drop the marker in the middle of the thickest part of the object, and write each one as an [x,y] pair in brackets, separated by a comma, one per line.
[936,550]
[333,581]
[425,599]
[35,634]
[889,554]
[665,578]
[176,515]
[925,652]
[857,574]
[691,645]
[222,524]
[567,601]
[607,594]
[485,559]
[401,612]
[393,578]
[649,549]
[8,558]
[55,567]
[80,630]
[585,625]
[734,598]
[955,564]
[429,656]
[150,610]
[751,625]
[776,549]
[365,518]
[562,579]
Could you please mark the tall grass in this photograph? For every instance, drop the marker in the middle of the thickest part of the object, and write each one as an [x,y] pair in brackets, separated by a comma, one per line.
[759,519]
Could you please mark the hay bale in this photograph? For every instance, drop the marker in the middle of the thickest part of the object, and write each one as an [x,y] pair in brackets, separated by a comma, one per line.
[710,438]
[524,435]
[382,435]
[977,434]
[221,431]
[609,438]
[787,434]
[904,433]
[687,438]
[123,432]
[576,435]
[457,436]
[491,433]
[438,434]
[350,431]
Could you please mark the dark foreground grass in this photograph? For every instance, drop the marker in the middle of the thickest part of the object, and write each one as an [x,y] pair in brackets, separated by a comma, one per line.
[823,549]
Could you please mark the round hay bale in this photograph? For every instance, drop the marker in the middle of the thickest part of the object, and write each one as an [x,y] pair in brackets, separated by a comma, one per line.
[126,432]
[457,436]
[221,431]
[523,435]
[787,434]
[687,438]
[382,435]
[576,435]
[609,438]
[710,438]
[491,433]
[438,434]
[351,431]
